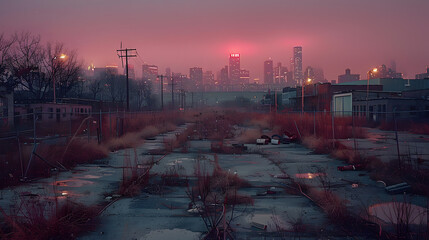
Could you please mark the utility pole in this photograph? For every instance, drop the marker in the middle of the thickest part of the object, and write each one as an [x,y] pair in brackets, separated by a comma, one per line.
[162,92]
[172,92]
[121,56]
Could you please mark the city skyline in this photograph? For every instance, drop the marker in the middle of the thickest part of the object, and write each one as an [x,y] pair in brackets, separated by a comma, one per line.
[335,34]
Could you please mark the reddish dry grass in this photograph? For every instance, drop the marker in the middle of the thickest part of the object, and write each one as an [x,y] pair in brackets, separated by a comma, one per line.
[411,126]
[220,147]
[37,219]
[78,151]
[135,175]
[322,123]
[249,135]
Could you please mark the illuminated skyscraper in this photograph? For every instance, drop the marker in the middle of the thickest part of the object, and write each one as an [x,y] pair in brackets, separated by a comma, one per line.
[149,72]
[150,75]
[244,76]
[268,71]
[196,77]
[280,74]
[297,64]
[234,68]
[131,72]
[208,78]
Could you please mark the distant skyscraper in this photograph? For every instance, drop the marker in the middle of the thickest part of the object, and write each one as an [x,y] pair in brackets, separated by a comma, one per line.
[268,71]
[131,72]
[224,79]
[423,75]
[244,76]
[196,77]
[348,77]
[168,73]
[105,72]
[297,64]
[319,75]
[234,68]
[280,74]
[149,72]
[309,74]
[383,72]
[208,78]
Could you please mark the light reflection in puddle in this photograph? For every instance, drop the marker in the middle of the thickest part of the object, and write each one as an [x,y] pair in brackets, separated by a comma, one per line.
[271,222]
[89,176]
[72,183]
[175,233]
[391,212]
[309,175]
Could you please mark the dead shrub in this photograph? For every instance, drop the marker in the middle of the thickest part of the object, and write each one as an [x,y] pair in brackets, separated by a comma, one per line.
[35,218]
[249,135]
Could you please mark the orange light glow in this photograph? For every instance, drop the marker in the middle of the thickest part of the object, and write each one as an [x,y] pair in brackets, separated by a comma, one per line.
[234,55]
[374,70]
[63,56]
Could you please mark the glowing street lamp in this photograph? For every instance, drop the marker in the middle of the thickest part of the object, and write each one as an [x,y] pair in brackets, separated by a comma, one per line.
[302,94]
[61,56]
[370,72]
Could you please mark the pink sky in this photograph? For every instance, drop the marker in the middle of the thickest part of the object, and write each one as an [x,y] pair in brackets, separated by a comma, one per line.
[335,34]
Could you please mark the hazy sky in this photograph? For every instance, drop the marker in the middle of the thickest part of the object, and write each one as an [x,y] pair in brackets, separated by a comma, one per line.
[334,34]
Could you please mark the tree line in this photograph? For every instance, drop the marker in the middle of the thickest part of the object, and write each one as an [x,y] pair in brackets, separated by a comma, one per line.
[29,67]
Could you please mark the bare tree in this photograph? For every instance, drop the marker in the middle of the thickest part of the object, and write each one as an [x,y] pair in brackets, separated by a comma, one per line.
[26,62]
[66,72]
[5,46]
[95,87]
[32,66]
[144,94]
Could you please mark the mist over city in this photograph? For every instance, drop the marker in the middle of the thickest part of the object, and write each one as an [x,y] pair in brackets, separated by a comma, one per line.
[279,119]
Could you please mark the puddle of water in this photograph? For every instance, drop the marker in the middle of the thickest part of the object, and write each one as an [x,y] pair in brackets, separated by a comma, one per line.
[89,176]
[272,222]
[175,233]
[392,212]
[309,175]
[72,183]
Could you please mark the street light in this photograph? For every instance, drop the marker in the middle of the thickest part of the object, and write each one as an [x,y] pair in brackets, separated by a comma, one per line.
[61,56]
[302,94]
[370,72]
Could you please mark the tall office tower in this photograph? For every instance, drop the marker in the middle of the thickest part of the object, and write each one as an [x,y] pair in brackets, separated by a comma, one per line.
[150,75]
[224,80]
[244,76]
[149,72]
[196,77]
[131,72]
[268,71]
[423,75]
[208,78]
[234,68]
[309,74]
[297,64]
[280,74]
[168,73]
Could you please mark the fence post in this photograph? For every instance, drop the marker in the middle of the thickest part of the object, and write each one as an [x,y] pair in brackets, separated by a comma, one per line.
[333,130]
[34,128]
[353,131]
[397,139]
[100,127]
[87,127]
[70,126]
[314,122]
[117,123]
